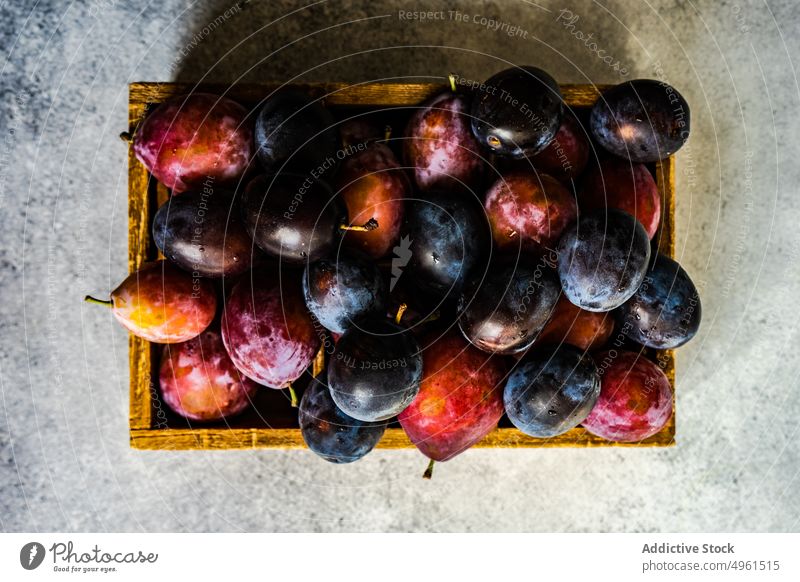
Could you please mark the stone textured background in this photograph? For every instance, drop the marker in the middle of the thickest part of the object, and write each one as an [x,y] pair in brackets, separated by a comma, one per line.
[65,463]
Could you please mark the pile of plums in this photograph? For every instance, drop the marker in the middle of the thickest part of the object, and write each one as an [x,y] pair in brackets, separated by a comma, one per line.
[495,259]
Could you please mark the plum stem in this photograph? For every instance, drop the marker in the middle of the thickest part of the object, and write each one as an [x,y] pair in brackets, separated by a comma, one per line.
[126,137]
[400,311]
[368,226]
[292,395]
[452,78]
[387,132]
[90,299]
[432,317]
[429,471]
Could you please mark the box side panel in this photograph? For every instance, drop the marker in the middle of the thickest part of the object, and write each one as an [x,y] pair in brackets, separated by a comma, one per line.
[665,180]
[138,250]
[336,94]
[394,438]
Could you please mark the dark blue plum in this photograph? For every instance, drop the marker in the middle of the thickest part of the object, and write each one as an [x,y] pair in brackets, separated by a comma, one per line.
[551,392]
[293,132]
[642,120]
[375,370]
[449,238]
[332,434]
[665,312]
[292,217]
[602,259]
[505,311]
[202,233]
[517,112]
[342,289]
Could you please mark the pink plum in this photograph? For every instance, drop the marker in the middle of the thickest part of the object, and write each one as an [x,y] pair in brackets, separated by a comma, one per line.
[190,140]
[199,381]
[635,398]
[439,145]
[268,331]
[460,399]
[528,211]
[373,186]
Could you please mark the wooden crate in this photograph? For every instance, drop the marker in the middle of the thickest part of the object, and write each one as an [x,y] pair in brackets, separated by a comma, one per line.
[153,427]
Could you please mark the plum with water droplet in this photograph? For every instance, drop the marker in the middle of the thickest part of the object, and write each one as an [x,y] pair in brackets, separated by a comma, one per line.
[460,399]
[267,330]
[602,259]
[635,399]
[329,432]
[665,312]
[375,370]
[551,391]
[343,289]
[292,217]
[439,146]
[202,232]
[528,211]
[517,112]
[195,139]
[199,381]
[163,304]
[295,133]
[641,120]
[505,311]
[448,240]
[623,185]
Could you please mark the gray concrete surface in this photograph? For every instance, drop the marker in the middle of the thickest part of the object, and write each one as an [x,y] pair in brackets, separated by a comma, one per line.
[65,463]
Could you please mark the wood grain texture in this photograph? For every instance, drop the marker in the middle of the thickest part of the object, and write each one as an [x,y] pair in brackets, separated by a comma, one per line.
[334,94]
[138,249]
[394,438]
[144,196]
